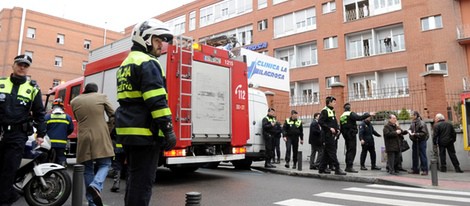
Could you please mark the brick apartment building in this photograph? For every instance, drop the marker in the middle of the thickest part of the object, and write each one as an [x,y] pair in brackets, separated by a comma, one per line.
[375,54]
[59,47]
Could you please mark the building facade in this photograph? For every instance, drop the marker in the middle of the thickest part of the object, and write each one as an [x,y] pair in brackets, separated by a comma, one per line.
[59,47]
[376,54]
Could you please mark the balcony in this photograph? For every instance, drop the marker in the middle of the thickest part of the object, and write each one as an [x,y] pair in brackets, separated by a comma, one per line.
[463,34]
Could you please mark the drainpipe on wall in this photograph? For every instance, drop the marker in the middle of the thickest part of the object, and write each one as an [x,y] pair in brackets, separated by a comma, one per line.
[20,42]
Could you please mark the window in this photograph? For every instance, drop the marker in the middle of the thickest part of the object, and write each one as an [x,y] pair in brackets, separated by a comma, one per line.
[262,25]
[305,92]
[299,55]
[87,44]
[74,91]
[262,4]
[244,35]
[84,63]
[439,66]
[192,20]
[29,53]
[431,22]
[55,82]
[278,1]
[31,33]
[329,7]
[62,94]
[296,22]
[330,42]
[379,84]
[60,38]
[223,10]
[356,9]
[58,61]
[178,24]
[375,41]
[307,55]
[331,80]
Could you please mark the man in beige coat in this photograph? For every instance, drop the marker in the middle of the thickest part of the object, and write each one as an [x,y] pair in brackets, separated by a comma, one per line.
[94,141]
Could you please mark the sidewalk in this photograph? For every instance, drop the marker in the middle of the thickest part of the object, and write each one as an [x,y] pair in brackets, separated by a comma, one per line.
[446,180]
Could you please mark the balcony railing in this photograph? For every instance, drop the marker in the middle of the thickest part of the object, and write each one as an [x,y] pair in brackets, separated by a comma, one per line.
[463,33]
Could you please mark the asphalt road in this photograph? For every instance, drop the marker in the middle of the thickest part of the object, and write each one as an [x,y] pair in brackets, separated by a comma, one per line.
[226,186]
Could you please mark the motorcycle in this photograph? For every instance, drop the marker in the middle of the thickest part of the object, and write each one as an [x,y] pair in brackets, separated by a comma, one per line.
[42,183]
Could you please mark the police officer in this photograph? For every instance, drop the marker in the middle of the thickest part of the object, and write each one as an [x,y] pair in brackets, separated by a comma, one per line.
[268,125]
[59,126]
[20,104]
[329,132]
[349,130]
[143,119]
[293,130]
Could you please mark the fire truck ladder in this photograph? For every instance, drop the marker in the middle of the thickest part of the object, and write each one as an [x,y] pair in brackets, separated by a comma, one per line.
[186,52]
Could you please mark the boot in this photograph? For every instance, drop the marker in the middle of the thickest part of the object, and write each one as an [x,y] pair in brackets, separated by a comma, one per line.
[458,170]
[351,170]
[278,160]
[339,172]
[294,166]
[267,163]
[287,164]
[444,169]
[116,183]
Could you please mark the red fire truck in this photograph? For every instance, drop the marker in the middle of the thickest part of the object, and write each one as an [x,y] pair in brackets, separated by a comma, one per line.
[207,94]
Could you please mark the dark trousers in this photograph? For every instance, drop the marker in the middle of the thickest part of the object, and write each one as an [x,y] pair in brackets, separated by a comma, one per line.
[371,150]
[142,168]
[314,150]
[350,144]
[57,155]
[418,150]
[292,142]
[269,146]
[393,159]
[329,153]
[442,155]
[11,153]
[277,148]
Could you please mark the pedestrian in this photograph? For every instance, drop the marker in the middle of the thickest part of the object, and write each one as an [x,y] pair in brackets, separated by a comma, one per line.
[366,136]
[293,130]
[316,142]
[392,137]
[59,127]
[94,141]
[20,104]
[329,131]
[444,137]
[143,118]
[268,125]
[277,143]
[419,135]
[349,130]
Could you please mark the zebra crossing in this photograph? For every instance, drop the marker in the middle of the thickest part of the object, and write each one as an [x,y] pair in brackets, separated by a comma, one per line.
[383,195]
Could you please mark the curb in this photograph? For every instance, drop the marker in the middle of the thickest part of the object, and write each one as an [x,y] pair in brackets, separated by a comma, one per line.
[346,178]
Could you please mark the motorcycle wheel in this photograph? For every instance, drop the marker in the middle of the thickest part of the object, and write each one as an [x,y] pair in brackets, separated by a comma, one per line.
[57,193]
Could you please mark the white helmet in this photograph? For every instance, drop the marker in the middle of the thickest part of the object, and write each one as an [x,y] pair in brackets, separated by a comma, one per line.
[142,33]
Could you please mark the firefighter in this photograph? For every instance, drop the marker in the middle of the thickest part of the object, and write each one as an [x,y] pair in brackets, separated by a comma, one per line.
[59,126]
[293,130]
[143,119]
[329,132]
[349,130]
[20,105]
[268,124]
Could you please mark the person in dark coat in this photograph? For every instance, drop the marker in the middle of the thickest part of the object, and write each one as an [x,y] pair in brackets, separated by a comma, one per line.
[293,130]
[419,135]
[268,124]
[315,141]
[366,136]
[392,134]
[277,143]
[349,130]
[444,137]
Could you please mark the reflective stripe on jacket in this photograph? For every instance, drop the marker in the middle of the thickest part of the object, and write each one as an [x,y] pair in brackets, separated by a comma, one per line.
[59,126]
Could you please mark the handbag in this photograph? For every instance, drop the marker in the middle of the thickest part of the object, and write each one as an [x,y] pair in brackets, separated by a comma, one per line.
[404,145]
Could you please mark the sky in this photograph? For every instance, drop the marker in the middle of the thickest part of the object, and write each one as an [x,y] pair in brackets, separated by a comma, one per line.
[114,15]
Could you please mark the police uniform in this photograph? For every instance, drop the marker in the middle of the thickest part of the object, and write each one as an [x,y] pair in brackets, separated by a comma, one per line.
[328,120]
[18,98]
[349,131]
[293,130]
[142,96]
[268,125]
[59,127]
